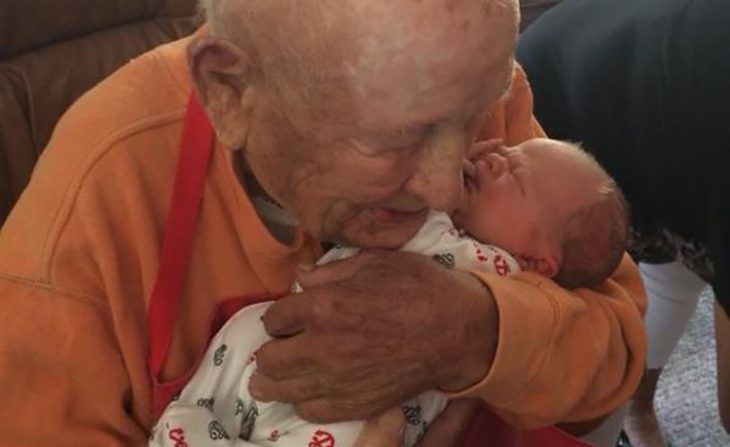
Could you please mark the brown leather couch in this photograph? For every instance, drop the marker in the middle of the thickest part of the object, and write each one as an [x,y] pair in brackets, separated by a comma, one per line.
[51,51]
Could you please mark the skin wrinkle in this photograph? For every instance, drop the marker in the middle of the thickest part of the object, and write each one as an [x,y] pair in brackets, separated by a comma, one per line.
[452,4]
[379,56]
[385,349]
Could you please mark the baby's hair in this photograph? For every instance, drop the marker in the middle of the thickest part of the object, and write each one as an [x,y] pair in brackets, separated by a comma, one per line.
[595,235]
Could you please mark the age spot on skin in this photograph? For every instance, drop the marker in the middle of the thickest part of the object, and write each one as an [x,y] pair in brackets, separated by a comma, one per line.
[452,4]
[496,8]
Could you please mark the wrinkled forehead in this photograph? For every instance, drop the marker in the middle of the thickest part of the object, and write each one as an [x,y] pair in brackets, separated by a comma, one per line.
[422,57]
[449,49]
[430,32]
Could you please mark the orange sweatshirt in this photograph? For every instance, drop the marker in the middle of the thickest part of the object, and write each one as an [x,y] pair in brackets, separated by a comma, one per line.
[79,255]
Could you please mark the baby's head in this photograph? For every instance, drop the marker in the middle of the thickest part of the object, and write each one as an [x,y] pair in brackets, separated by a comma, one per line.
[552,206]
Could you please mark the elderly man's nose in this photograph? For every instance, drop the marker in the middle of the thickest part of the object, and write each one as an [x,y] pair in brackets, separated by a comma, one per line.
[438,180]
[440,191]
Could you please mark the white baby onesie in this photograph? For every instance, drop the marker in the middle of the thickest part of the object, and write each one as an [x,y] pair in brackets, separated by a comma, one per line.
[215,408]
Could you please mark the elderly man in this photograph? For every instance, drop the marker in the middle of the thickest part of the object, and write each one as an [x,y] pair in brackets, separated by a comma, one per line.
[341,121]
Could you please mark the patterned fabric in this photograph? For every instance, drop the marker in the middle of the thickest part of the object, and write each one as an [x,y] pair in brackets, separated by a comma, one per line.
[452,248]
[662,246]
[215,408]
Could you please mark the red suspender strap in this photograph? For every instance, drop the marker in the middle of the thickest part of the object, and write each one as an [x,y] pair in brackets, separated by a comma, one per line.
[195,152]
[486,429]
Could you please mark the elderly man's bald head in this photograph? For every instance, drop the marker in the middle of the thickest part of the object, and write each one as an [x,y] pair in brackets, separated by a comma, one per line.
[355,115]
[303,44]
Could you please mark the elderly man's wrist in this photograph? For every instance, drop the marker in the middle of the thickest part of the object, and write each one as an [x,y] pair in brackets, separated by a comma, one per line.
[480,333]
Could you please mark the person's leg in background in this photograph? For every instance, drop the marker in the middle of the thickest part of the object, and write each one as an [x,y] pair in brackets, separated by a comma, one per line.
[722,341]
[673,292]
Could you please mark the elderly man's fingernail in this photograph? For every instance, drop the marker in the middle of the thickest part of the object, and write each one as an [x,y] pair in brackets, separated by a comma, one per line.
[305,266]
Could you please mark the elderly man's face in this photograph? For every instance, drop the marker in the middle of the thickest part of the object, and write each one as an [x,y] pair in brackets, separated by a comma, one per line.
[384,140]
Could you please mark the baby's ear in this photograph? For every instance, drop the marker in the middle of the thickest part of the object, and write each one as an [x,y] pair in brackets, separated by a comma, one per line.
[544,265]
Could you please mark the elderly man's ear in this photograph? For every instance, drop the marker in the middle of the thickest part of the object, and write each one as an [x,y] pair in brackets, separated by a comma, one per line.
[220,71]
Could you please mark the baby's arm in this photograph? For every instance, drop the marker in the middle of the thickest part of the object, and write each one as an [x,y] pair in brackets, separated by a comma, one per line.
[214,407]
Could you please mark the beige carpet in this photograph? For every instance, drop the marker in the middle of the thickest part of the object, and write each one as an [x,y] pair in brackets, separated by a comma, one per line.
[687,396]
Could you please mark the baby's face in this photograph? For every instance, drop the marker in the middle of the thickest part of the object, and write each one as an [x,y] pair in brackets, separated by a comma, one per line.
[515,194]
[499,204]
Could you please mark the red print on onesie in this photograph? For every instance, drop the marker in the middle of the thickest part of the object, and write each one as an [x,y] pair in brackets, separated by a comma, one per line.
[501,266]
[322,438]
[177,435]
[479,254]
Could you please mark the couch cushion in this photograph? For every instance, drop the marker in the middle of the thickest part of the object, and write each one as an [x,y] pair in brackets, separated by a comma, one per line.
[30,24]
[38,86]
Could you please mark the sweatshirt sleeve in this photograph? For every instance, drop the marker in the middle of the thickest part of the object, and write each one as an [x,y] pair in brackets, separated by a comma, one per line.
[562,356]
[71,387]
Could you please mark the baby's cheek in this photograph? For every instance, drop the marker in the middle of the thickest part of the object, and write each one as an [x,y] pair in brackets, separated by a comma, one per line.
[473,222]
[468,202]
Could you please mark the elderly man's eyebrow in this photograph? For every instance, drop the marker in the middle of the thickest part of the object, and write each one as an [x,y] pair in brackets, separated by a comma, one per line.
[401,131]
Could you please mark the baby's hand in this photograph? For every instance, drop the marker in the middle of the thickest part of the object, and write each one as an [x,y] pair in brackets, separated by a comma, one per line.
[481,148]
[474,174]
[475,162]
[385,430]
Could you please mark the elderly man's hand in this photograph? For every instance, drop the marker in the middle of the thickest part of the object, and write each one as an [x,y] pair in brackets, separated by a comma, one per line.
[372,331]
